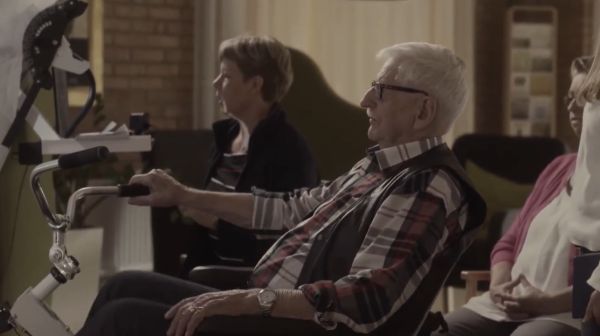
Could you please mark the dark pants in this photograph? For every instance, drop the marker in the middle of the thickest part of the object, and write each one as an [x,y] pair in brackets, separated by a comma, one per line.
[134,304]
[590,328]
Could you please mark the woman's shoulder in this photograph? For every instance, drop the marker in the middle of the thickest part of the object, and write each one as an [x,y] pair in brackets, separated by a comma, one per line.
[562,166]
[562,161]
[285,134]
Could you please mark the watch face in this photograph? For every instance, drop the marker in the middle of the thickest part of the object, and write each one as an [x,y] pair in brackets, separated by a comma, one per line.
[266,296]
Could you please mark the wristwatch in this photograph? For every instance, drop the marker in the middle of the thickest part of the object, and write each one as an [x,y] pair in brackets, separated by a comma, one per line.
[266,301]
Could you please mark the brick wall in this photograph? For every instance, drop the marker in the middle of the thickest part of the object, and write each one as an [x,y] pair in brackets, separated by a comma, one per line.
[148,65]
[573,40]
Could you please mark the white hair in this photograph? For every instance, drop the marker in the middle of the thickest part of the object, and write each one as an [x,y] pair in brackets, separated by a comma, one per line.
[431,68]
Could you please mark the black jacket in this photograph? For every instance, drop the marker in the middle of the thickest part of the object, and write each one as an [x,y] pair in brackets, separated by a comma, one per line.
[278,159]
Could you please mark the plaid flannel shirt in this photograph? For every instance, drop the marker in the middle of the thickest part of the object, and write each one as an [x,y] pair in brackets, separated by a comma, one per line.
[410,227]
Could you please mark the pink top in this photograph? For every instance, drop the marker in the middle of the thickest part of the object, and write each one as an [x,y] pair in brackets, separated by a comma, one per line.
[548,185]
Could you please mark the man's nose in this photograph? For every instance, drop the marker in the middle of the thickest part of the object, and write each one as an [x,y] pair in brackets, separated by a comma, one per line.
[368,99]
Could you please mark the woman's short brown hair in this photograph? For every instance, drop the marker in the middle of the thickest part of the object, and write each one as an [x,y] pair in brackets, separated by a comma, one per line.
[262,56]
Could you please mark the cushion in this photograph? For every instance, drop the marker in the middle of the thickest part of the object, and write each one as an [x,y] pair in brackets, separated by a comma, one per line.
[499,193]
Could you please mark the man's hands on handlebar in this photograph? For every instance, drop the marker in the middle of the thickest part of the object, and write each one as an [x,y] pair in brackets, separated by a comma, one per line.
[165,191]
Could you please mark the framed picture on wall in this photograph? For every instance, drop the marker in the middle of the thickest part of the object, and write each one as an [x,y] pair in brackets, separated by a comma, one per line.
[530,108]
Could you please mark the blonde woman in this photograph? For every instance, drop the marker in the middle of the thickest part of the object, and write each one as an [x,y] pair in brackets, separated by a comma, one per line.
[586,189]
[530,288]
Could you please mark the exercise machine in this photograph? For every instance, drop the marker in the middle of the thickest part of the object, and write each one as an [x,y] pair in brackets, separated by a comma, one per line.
[41,54]
[29,313]
[46,54]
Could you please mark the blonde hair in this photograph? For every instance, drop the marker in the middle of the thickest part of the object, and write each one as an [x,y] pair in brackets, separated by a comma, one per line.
[262,56]
[581,65]
[589,89]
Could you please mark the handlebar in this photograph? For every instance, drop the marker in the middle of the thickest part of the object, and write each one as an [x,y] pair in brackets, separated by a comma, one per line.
[82,158]
[122,190]
[65,266]
[72,160]
[133,190]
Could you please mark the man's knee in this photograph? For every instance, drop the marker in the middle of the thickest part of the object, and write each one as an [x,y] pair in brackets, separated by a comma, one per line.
[126,277]
[122,284]
[129,316]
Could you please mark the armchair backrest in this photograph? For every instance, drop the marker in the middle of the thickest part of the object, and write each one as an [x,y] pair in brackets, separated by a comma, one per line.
[503,169]
[335,129]
[519,159]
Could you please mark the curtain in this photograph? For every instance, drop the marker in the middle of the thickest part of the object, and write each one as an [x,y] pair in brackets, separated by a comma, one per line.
[342,36]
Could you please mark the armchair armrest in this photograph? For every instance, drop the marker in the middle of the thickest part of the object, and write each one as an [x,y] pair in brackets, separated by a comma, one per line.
[472,279]
[221,277]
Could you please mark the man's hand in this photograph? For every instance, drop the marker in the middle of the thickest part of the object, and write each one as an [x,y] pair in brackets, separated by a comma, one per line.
[532,302]
[187,315]
[165,191]
[593,309]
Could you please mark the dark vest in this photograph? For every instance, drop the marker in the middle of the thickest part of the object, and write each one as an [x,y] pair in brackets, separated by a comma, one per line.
[331,258]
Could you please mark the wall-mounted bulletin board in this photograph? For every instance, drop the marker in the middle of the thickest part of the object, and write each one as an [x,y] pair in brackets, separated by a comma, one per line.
[530,104]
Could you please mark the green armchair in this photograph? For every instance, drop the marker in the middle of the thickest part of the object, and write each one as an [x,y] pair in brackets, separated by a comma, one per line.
[335,129]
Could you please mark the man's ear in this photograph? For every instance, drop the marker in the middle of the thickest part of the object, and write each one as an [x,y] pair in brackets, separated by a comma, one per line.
[426,115]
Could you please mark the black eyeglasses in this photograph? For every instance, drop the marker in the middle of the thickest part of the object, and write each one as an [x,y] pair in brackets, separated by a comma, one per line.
[380,86]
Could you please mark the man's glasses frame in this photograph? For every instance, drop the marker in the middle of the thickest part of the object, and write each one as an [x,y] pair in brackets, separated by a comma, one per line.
[379,87]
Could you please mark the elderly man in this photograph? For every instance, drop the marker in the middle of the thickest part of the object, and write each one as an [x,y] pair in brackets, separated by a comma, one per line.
[356,249]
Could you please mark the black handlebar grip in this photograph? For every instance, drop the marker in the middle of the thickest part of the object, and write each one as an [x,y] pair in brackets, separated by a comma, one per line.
[133,190]
[84,157]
